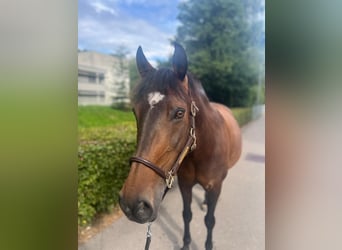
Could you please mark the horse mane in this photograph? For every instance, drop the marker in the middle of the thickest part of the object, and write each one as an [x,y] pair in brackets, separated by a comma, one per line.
[165,81]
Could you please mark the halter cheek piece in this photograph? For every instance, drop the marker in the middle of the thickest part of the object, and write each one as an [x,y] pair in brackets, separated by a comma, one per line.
[189,146]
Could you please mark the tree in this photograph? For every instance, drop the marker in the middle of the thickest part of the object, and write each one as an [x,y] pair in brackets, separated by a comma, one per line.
[121,82]
[134,76]
[218,39]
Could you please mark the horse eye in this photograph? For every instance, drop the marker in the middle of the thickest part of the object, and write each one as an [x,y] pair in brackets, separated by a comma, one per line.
[179,113]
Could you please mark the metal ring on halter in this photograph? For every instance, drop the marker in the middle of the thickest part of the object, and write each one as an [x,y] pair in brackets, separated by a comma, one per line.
[169,179]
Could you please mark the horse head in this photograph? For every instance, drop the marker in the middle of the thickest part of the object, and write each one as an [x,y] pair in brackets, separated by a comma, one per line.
[162,107]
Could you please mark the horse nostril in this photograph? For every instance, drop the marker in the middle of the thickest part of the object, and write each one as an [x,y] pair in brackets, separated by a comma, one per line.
[123,206]
[143,211]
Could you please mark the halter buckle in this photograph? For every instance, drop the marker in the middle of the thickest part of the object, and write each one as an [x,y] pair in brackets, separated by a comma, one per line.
[169,179]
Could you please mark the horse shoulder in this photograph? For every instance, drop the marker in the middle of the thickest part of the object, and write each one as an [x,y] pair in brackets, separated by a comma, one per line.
[233,130]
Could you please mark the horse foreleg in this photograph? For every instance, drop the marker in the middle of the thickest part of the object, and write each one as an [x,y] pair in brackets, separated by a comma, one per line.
[211,198]
[186,192]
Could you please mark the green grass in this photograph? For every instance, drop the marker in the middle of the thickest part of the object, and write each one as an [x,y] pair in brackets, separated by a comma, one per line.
[101,116]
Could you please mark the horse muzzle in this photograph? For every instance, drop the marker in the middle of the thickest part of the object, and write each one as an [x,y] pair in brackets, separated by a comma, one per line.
[140,211]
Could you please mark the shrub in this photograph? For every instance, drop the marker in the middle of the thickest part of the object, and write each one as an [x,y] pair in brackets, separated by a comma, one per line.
[103,155]
[123,106]
[242,115]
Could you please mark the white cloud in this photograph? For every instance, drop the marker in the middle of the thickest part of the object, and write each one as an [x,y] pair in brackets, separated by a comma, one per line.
[101,7]
[149,2]
[128,32]
[127,26]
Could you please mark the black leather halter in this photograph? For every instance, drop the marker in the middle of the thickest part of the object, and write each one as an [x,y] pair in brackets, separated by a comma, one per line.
[189,146]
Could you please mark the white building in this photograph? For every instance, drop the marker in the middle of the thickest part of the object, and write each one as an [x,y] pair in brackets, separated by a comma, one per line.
[102,79]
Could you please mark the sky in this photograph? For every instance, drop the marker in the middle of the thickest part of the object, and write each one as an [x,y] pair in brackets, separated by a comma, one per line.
[105,25]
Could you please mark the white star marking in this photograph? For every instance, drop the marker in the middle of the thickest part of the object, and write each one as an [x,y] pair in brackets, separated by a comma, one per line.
[154,97]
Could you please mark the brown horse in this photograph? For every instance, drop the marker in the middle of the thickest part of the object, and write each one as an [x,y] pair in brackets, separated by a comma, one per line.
[179,132]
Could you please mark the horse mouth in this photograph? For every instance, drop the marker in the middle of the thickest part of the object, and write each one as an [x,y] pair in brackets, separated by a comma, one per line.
[141,212]
[140,219]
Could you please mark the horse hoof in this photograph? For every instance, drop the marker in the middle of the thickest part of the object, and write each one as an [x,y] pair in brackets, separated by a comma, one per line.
[208,246]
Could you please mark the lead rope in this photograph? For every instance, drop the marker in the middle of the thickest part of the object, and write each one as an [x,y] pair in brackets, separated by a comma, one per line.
[148,236]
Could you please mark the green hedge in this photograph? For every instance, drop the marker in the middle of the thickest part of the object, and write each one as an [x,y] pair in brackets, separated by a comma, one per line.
[242,115]
[103,155]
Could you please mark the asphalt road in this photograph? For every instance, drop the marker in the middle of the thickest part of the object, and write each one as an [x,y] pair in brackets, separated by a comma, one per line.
[240,212]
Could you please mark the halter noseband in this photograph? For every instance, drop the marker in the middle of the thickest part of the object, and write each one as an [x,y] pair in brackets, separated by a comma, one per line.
[189,146]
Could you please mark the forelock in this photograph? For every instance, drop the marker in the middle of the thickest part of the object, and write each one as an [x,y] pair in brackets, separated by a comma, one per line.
[163,81]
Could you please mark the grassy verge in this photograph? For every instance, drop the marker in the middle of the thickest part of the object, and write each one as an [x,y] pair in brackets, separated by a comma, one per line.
[102,116]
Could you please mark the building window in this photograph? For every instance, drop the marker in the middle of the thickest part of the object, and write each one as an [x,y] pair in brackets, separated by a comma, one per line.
[90,77]
[101,78]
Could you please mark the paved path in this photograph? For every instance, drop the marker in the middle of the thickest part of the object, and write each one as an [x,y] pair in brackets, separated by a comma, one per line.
[240,212]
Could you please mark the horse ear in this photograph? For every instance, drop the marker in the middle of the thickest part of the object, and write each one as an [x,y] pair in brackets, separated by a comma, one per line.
[180,61]
[143,65]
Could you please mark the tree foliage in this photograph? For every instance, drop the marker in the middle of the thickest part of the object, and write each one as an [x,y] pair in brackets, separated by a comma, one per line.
[221,43]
